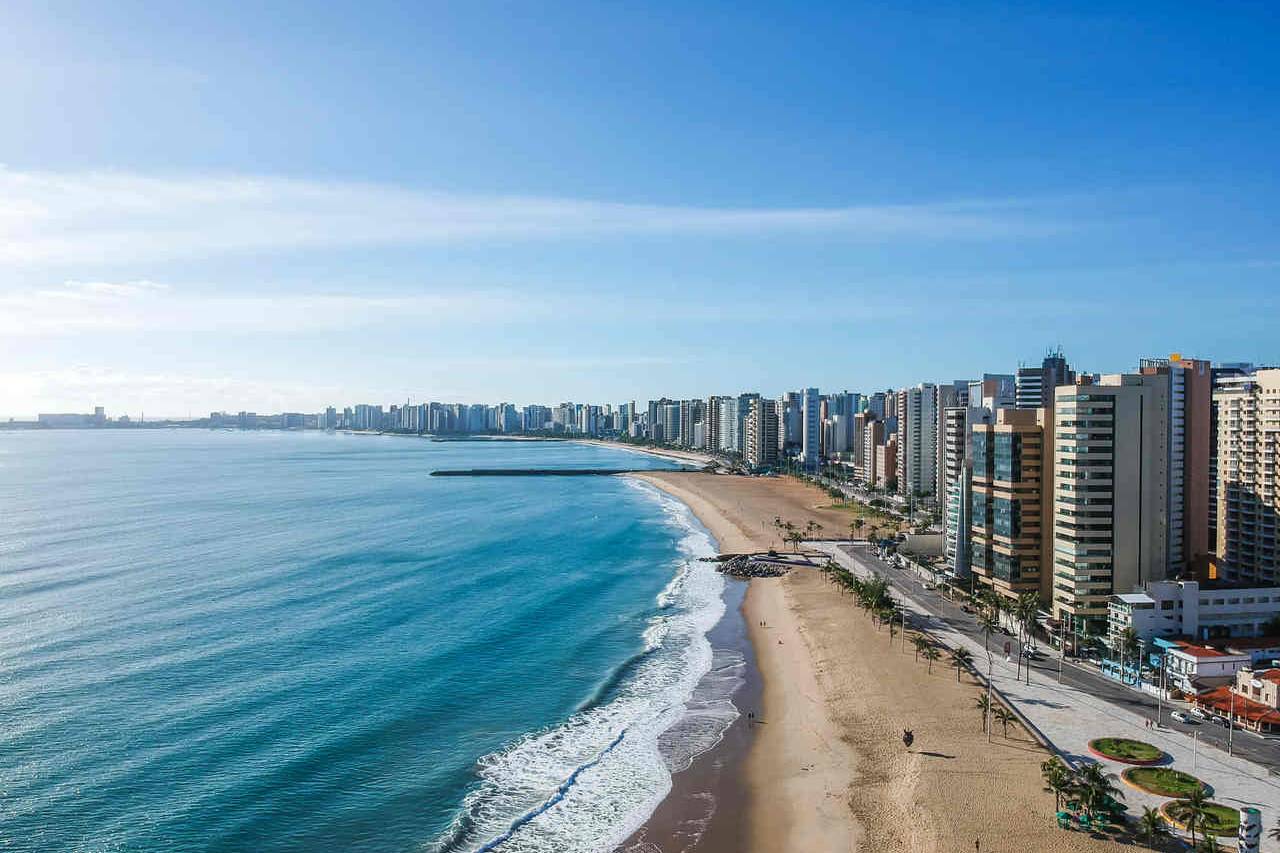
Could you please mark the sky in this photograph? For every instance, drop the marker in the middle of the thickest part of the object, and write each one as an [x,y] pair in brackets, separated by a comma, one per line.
[284,206]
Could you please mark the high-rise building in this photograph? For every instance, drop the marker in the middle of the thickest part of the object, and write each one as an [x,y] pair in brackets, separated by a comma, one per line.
[760,441]
[1011,521]
[954,393]
[790,420]
[1248,472]
[886,464]
[811,429]
[714,425]
[1035,385]
[668,426]
[1111,491]
[917,440]
[1189,431]
[1224,376]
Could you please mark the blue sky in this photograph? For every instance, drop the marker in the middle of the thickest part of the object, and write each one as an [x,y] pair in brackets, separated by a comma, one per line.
[227,207]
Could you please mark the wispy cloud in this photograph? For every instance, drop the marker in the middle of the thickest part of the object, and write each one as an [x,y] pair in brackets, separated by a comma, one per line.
[49,217]
[139,306]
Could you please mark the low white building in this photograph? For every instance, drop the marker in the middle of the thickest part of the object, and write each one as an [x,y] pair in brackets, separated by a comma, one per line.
[1193,669]
[1208,611]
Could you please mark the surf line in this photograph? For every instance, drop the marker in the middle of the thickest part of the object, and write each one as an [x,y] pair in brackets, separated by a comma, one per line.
[555,798]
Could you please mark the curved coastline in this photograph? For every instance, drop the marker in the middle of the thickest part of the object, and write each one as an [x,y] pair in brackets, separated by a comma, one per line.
[609,791]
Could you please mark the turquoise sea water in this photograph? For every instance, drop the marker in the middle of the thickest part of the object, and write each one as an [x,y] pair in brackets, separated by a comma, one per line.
[223,641]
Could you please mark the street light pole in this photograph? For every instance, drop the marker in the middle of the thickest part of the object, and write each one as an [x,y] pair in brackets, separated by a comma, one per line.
[1231,719]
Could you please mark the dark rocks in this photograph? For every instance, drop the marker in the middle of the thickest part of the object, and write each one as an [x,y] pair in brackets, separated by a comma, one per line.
[748,566]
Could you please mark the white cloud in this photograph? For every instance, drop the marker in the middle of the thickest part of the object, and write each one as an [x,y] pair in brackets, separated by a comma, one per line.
[148,306]
[52,217]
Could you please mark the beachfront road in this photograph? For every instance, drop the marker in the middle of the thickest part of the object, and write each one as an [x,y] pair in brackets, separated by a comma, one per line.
[1247,745]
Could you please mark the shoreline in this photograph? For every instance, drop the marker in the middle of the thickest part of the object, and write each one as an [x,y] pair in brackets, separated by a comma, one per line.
[795,769]
[686,456]
[827,769]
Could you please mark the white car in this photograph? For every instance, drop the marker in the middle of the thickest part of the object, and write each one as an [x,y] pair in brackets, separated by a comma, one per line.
[1197,712]
[1184,718]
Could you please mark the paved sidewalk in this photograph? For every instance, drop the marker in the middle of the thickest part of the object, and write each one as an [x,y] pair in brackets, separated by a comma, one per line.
[1069,718]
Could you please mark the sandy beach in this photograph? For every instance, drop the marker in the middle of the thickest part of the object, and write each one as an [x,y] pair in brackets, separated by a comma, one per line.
[826,769]
[687,456]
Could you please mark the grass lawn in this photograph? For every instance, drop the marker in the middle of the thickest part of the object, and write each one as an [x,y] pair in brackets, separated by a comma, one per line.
[1220,820]
[1163,781]
[1123,749]
[872,516]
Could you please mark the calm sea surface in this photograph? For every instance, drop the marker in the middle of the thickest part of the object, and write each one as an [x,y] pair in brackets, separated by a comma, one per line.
[223,641]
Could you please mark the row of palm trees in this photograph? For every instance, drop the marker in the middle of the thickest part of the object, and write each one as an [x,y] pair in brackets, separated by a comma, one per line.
[791,533]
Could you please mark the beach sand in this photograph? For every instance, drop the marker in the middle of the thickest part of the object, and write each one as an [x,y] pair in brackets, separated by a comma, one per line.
[826,769]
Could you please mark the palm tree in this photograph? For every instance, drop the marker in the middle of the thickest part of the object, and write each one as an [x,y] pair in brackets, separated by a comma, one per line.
[1209,844]
[1275,832]
[1130,648]
[921,643]
[931,654]
[855,527]
[988,624]
[983,704]
[1195,807]
[1004,717]
[961,658]
[1151,826]
[1058,779]
[1096,786]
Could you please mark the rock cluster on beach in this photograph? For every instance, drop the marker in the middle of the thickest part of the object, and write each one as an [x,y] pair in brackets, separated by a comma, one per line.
[748,566]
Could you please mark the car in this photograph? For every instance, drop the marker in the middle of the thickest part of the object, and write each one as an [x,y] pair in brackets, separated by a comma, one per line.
[1032,654]
[1219,719]
[1184,718]
[966,608]
[1199,712]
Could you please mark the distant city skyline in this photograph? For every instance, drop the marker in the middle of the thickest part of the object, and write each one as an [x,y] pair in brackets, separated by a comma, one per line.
[489,203]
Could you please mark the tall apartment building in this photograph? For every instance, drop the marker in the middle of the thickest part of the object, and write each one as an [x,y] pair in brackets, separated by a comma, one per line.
[790,420]
[667,429]
[957,469]
[1035,385]
[949,394]
[1189,433]
[917,440]
[875,404]
[714,423]
[1223,376]
[886,456]
[1110,494]
[1011,546]
[1248,469]
[760,439]
[810,429]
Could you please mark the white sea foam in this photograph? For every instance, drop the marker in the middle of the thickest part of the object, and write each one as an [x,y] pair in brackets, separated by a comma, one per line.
[590,783]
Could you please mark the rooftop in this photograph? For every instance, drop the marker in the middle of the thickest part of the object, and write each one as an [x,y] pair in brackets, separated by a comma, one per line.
[1200,651]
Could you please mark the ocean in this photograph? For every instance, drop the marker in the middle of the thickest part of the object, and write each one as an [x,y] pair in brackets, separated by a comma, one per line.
[227,641]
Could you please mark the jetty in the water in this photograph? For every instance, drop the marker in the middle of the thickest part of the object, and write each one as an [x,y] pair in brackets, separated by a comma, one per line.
[539,472]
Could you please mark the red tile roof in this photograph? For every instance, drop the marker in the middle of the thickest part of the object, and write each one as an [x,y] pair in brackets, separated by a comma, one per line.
[1200,651]
[1219,699]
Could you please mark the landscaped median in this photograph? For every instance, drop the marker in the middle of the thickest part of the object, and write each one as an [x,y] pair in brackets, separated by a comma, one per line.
[1127,751]
[1219,820]
[1163,781]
